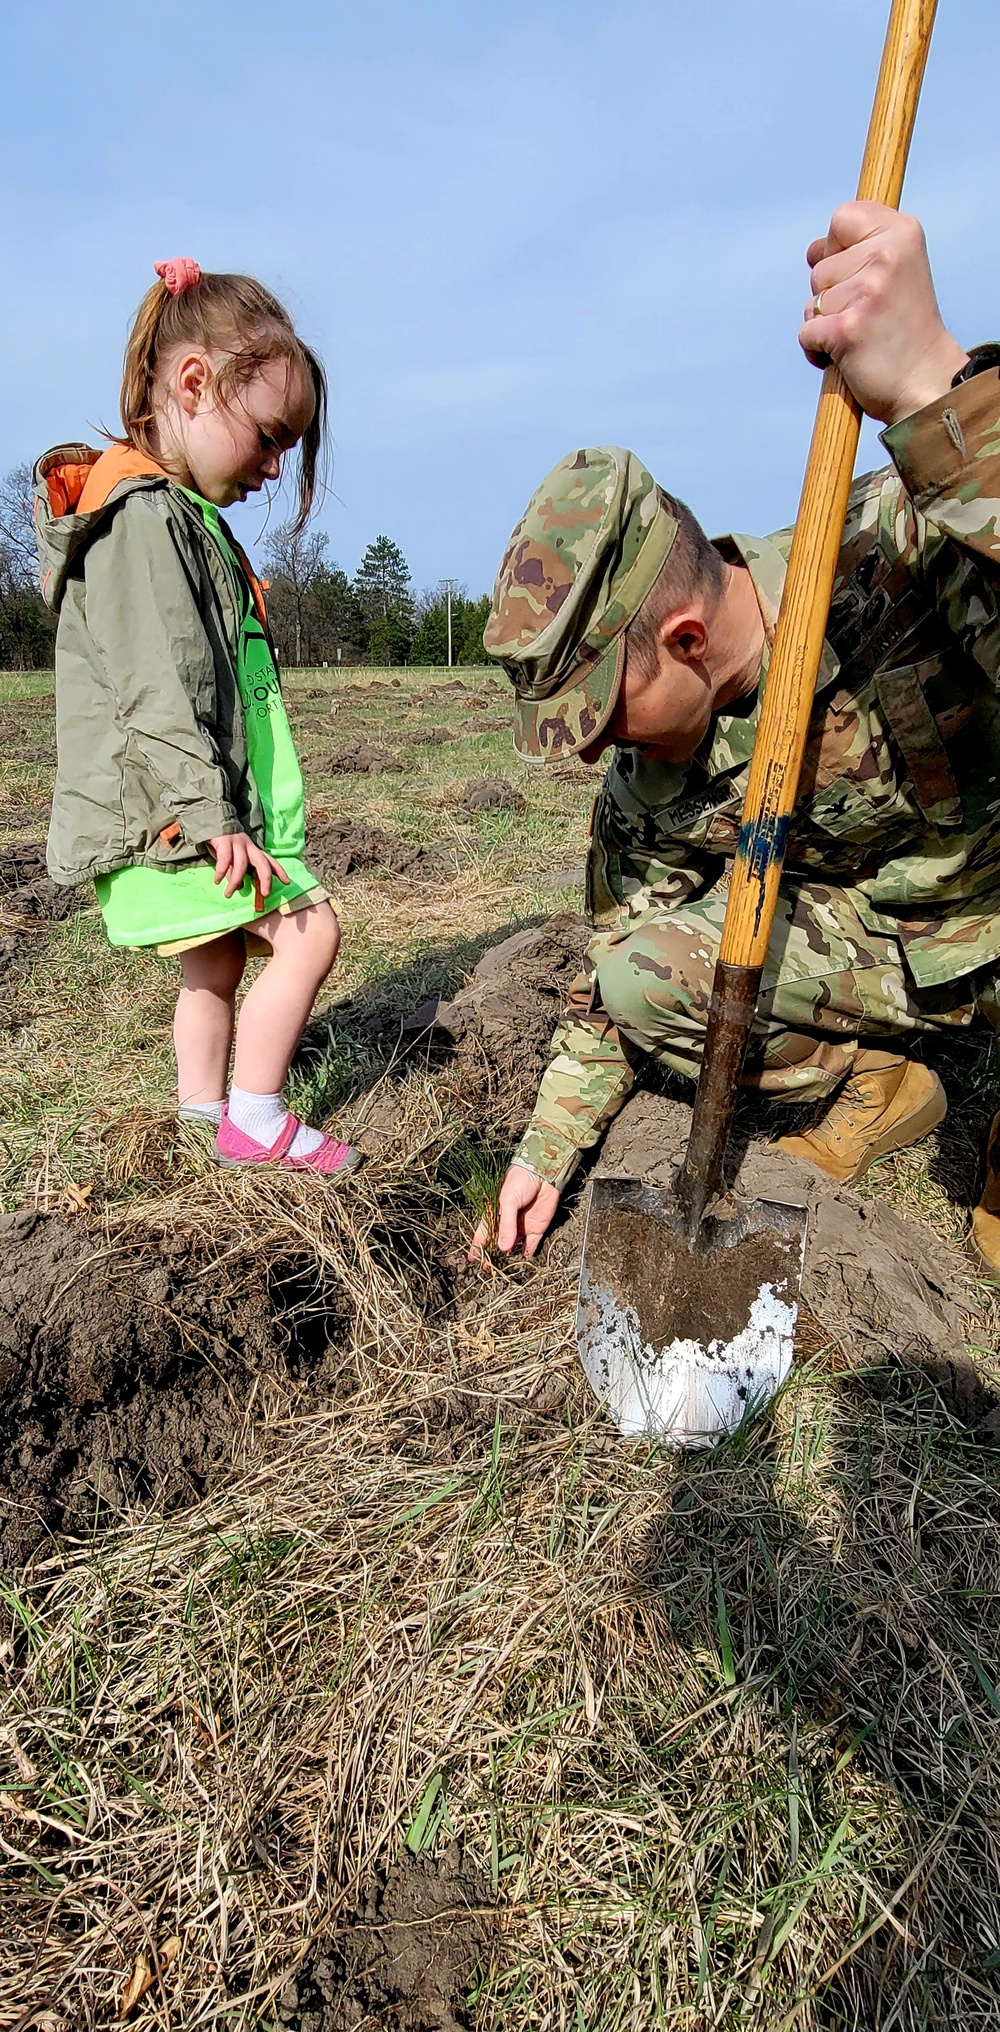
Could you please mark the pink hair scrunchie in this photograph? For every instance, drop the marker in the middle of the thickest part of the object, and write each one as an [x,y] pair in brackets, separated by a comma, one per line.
[178,275]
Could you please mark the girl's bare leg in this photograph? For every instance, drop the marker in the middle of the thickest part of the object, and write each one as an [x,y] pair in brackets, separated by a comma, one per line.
[205,1017]
[277,1007]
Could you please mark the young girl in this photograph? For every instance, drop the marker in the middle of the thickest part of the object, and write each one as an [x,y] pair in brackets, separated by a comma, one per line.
[178,789]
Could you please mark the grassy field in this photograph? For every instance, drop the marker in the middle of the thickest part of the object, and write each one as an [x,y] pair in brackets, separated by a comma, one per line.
[714,1741]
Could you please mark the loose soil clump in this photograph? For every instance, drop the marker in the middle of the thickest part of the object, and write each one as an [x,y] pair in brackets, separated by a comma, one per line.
[342,846]
[358,758]
[498,1027]
[408,1958]
[490,793]
[125,1375]
[27,889]
[435,737]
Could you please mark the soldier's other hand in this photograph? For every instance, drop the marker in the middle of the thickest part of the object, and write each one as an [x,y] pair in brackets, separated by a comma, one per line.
[879,317]
[527,1207]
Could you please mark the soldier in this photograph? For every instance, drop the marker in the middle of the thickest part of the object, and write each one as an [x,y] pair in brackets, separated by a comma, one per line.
[620,625]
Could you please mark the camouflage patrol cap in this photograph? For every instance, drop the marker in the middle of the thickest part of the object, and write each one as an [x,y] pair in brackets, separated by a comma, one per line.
[587,551]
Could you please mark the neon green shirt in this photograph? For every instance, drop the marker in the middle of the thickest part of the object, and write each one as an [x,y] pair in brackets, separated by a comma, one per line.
[156,906]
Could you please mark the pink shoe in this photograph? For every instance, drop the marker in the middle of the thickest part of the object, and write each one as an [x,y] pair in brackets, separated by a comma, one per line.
[232,1147]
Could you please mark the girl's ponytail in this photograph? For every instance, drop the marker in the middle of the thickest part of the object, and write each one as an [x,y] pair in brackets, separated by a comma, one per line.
[136,402]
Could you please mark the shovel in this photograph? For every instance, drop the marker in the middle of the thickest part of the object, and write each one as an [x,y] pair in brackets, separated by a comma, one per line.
[689,1295]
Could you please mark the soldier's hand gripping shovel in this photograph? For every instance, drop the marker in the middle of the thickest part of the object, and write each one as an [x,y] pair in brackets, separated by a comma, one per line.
[688,1296]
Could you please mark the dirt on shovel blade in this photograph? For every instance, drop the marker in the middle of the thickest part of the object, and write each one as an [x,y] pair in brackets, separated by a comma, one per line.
[680,1294]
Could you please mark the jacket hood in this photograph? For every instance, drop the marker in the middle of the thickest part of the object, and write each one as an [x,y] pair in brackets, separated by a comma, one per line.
[75,489]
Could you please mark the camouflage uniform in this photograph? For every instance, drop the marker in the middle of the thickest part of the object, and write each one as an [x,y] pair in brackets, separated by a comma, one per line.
[889,916]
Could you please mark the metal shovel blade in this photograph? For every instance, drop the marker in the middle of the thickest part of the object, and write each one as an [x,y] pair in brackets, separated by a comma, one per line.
[683,1342]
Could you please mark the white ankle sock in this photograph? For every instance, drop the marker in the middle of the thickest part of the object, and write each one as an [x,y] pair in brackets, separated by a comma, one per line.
[200,1111]
[263,1116]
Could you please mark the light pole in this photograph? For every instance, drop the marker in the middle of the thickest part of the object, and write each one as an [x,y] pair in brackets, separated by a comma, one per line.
[449,587]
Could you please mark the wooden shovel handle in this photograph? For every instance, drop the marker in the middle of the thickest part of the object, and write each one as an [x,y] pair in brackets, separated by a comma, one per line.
[795,658]
[805,604]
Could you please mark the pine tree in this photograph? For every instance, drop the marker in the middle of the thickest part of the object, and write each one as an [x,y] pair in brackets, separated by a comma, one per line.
[383,580]
[475,614]
[430,643]
[382,589]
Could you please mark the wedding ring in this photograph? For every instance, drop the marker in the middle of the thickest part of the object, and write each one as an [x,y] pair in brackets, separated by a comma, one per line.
[818,304]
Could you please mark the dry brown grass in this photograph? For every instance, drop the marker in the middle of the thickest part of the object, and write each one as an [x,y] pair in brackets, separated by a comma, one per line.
[721,1734]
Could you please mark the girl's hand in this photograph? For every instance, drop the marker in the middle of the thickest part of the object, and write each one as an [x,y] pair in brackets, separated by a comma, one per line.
[236,856]
[527,1206]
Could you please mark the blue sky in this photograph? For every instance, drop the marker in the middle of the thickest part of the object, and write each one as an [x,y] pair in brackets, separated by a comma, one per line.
[508,228]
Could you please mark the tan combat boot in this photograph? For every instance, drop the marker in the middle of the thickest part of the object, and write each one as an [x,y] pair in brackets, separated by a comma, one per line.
[887,1103]
[986,1216]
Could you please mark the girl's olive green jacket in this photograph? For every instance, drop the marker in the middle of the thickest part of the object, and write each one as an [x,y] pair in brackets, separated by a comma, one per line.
[150,734]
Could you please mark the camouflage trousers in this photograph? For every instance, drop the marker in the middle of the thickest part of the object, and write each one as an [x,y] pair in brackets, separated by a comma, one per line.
[829,985]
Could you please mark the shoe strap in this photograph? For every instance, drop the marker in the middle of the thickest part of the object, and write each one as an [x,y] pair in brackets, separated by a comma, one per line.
[286,1138]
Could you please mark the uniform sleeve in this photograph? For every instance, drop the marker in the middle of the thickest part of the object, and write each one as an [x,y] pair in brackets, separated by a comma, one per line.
[587,1079]
[144,616]
[948,458]
[590,1074]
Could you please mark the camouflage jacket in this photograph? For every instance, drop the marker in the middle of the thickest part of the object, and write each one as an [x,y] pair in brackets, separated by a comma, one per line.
[899,799]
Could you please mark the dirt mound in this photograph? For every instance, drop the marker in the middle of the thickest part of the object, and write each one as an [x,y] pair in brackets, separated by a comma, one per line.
[408,1958]
[27,889]
[358,758]
[502,1020]
[490,793]
[341,847]
[883,1288]
[434,737]
[126,1376]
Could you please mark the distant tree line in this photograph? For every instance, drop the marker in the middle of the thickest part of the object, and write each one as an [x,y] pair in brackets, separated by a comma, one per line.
[317,613]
